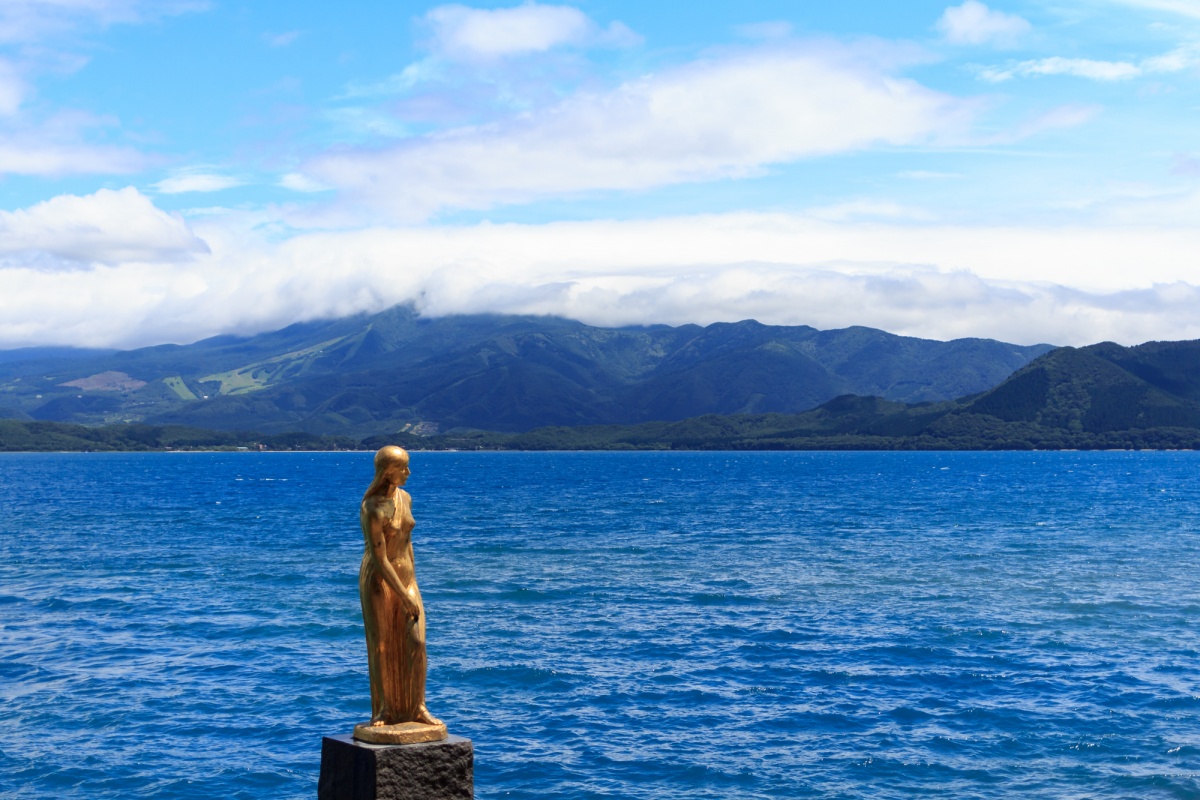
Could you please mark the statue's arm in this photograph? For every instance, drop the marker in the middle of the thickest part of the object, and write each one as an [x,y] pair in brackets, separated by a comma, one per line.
[378,549]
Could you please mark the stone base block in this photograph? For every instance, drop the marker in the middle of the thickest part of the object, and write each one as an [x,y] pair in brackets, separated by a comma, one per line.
[354,770]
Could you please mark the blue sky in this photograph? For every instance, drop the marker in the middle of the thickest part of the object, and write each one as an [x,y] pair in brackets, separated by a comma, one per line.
[1019,170]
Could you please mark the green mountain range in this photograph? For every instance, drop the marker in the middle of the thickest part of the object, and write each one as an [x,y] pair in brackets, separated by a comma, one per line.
[397,372]
[1100,397]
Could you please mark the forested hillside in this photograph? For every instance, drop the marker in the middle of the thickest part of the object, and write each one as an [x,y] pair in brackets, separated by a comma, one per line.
[399,372]
[1099,397]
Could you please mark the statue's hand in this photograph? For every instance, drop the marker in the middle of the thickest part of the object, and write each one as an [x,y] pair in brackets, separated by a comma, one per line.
[413,607]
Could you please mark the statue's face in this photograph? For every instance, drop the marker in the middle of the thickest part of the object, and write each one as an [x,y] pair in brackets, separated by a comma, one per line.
[397,474]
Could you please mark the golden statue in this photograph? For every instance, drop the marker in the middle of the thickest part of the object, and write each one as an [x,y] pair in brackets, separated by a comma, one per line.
[393,615]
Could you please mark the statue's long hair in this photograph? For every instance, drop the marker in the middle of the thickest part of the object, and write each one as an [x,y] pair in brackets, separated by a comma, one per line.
[384,458]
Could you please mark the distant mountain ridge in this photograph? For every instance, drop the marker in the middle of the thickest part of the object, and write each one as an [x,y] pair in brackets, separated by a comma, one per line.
[1104,396]
[1099,397]
[393,371]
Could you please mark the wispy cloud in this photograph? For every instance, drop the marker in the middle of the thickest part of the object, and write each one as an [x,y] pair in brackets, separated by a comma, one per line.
[300,183]
[32,20]
[184,182]
[1078,67]
[975,23]
[726,117]
[282,39]
[356,122]
[473,33]
[35,138]
[1187,8]
[13,89]
[56,147]
[398,83]
[1180,59]
[1070,115]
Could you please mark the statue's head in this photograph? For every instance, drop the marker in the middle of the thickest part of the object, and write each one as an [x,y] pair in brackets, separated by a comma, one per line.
[392,459]
[386,456]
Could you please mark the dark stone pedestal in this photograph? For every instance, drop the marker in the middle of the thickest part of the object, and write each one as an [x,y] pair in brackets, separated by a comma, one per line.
[354,770]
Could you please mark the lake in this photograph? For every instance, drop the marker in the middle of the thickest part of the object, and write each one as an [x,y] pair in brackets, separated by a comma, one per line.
[614,625]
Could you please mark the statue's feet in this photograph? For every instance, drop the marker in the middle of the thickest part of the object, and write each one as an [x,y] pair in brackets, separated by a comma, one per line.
[424,717]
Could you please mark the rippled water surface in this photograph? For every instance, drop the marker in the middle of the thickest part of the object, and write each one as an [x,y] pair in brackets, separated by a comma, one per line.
[621,625]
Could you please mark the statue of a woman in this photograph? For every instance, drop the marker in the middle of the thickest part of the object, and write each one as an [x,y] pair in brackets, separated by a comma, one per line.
[393,615]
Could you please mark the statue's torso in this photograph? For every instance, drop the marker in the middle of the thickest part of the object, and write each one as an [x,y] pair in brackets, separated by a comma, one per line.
[398,522]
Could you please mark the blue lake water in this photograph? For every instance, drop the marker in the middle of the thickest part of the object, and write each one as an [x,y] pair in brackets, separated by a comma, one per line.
[617,625]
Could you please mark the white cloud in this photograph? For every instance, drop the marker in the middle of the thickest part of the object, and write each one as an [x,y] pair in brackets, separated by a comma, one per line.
[299,183]
[1078,67]
[911,301]
[400,82]
[1125,281]
[975,23]
[728,117]
[473,33]
[1083,68]
[197,182]
[31,20]
[1181,58]
[1177,60]
[110,227]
